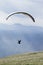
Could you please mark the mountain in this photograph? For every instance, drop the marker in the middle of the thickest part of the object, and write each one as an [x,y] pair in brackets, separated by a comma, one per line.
[31,39]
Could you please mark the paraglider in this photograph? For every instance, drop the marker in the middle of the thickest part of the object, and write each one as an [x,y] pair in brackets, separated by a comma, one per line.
[21,13]
[24,13]
[19,41]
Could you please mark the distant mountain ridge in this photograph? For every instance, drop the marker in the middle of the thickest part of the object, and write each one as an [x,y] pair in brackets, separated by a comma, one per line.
[31,39]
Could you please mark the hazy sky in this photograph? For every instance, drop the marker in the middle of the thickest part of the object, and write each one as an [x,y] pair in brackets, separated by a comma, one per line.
[34,7]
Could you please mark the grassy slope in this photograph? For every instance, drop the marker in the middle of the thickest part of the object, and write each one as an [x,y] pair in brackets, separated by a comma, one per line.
[24,59]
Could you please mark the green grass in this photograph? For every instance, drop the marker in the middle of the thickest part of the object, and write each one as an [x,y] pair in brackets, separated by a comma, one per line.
[35,58]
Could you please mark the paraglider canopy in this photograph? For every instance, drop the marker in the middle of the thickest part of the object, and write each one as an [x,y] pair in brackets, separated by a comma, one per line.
[21,13]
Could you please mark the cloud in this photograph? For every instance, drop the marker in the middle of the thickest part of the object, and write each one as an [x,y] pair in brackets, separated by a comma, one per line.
[3,16]
[15,5]
[33,7]
[21,20]
[20,3]
[39,22]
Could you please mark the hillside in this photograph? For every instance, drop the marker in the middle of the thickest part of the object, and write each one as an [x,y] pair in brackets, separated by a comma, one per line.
[35,58]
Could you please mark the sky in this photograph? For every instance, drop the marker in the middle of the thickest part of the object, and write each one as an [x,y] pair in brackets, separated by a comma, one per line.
[33,7]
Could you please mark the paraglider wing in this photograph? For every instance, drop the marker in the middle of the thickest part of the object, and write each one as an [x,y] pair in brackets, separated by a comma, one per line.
[21,13]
